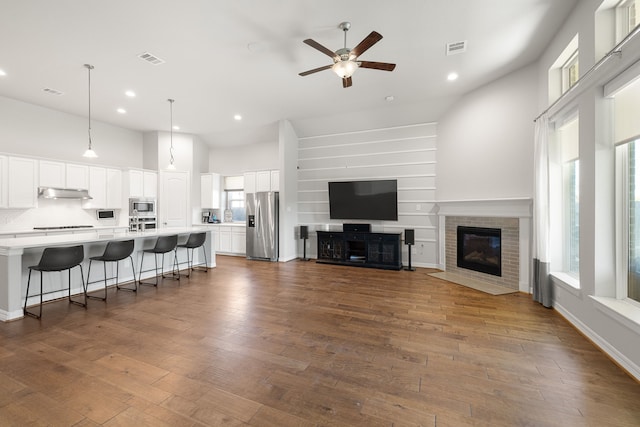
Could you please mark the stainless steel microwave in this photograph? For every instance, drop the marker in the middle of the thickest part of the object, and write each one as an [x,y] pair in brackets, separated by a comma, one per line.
[142,207]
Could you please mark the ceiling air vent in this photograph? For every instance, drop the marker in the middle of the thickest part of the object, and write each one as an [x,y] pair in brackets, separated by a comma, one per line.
[456,47]
[151,58]
[52,91]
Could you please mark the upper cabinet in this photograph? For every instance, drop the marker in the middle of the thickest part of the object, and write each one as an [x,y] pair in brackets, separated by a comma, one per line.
[210,191]
[114,188]
[259,181]
[249,182]
[142,183]
[4,182]
[105,188]
[22,190]
[63,175]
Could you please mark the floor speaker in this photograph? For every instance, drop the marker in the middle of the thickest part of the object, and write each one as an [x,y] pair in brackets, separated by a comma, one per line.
[409,240]
[409,237]
[304,235]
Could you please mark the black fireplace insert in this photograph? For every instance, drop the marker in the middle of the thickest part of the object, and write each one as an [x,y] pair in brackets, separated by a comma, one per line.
[479,249]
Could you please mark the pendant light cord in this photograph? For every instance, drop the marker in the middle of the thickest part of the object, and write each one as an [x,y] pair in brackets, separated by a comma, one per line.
[89,68]
[171,101]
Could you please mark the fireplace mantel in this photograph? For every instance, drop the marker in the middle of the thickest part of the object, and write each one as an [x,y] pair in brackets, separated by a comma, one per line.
[520,208]
[510,208]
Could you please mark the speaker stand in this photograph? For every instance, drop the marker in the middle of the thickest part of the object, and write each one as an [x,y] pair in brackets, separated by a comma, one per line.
[409,268]
[304,250]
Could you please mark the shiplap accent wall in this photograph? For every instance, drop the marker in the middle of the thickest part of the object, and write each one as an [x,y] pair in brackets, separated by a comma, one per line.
[406,153]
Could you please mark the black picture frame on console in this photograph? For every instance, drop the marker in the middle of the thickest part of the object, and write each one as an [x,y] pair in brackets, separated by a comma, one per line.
[368,200]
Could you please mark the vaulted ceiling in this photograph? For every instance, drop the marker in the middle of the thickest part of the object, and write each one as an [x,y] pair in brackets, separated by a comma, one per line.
[223,58]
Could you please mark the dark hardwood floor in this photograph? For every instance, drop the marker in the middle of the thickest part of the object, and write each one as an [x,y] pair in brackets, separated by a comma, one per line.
[254,343]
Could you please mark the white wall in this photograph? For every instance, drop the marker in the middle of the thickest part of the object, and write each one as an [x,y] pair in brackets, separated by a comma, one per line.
[288,210]
[485,141]
[28,129]
[228,161]
[406,153]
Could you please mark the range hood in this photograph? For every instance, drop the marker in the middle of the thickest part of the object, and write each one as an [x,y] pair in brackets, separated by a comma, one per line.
[63,193]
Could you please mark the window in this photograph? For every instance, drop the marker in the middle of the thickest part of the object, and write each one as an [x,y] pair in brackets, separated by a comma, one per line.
[570,72]
[626,17]
[565,71]
[627,137]
[235,203]
[566,202]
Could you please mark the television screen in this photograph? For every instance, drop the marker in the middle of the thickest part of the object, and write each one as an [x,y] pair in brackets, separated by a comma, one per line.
[373,200]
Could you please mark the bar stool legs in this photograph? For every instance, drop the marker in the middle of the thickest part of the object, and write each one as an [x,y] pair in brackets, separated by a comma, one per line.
[57,259]
[195,240]
[164,244]
[114,252]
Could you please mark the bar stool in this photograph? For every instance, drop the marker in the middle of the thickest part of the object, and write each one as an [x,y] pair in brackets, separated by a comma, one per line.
[57,259]
[164,244]
[195,240]
[114,252]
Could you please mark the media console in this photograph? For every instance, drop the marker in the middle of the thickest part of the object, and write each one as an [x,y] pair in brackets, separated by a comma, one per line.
[362,249]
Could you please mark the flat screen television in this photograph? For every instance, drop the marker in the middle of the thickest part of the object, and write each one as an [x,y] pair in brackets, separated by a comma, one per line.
[373,200]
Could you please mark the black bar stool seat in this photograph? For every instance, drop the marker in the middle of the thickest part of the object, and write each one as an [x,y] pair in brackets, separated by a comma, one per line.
[57,259]
[116,250]
[164,244]
[195,241]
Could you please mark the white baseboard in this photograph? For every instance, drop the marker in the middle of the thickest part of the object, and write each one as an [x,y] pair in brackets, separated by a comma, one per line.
[604,345]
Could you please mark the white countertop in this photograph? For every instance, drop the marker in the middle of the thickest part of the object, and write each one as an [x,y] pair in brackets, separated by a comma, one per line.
[226,224]
[87,237]
[28,231]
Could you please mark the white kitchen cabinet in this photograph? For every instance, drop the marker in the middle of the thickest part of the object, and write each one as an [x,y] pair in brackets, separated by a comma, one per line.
[263,181]
[52,174]
[275,180]
[114,189]
[77,176]
[238,240]
[23,175]
[105,188]
[97,188]
[249,182]
[210,191]
[225,240]
[4,182]
[175,201]
[150,184]
[63,175]
[142,183]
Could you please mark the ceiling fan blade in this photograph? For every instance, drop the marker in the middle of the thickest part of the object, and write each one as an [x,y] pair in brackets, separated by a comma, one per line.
[365,44]
[377,65]
[314,44]
[315,70]
[346,82]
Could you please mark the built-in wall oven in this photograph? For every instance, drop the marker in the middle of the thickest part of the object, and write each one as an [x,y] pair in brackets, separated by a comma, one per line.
[142,214]
[142,207]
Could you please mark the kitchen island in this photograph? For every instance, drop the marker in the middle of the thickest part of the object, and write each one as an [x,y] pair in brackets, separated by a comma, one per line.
[17,254]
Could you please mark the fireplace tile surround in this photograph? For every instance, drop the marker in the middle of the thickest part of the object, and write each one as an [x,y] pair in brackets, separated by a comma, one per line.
[512,216]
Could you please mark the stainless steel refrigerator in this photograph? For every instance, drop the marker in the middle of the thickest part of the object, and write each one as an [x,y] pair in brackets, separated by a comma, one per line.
[262,225]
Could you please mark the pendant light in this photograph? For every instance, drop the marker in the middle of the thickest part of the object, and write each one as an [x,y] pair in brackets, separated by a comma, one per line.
[171,165]
[89,153]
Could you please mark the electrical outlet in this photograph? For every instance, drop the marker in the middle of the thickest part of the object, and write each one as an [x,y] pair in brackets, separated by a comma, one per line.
[418,207]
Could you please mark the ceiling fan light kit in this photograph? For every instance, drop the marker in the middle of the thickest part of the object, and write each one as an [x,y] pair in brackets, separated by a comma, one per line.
[345,60]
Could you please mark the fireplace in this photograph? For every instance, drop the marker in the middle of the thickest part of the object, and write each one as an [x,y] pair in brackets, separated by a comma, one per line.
[480,249]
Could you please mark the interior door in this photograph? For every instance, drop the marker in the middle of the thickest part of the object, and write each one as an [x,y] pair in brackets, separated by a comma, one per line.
[174,200]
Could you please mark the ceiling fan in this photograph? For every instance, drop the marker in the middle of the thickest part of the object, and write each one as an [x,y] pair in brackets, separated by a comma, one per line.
[345,60]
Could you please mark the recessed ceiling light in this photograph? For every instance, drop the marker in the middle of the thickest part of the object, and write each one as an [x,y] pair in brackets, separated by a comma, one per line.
[175,127]
[237,117]
[389,98]
[121,111]
[3,73]
[452,76]
[130,94]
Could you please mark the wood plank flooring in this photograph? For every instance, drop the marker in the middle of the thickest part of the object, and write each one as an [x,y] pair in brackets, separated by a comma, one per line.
[254,343]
